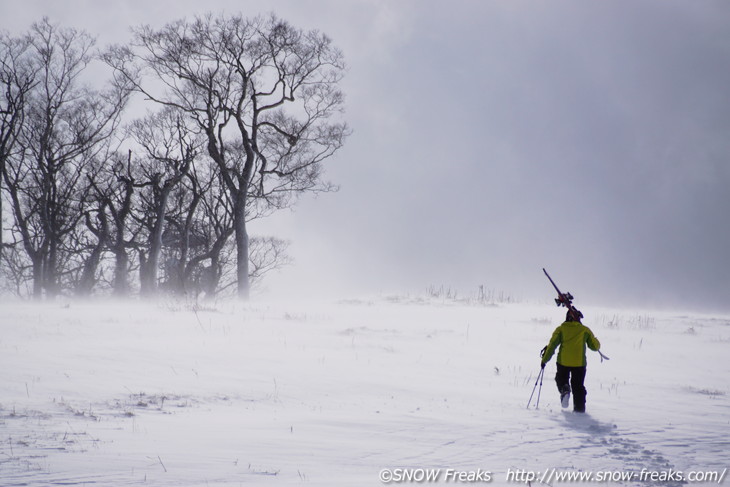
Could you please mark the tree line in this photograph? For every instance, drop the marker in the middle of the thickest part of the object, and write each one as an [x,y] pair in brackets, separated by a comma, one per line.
[240,115]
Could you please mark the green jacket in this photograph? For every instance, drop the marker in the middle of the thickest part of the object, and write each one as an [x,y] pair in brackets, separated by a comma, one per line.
[572,337]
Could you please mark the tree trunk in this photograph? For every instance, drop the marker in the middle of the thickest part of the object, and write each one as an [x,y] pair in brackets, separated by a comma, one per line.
[37,278]
[121,268]
[147,277]
[2,243]
[181,269]
[148,271]
[241,236]
[213,277]
[143,279]
[179,282]
[88,276]
[119,248]
[50,270]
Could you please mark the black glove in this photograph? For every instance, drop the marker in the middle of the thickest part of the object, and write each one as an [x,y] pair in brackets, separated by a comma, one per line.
[542,365]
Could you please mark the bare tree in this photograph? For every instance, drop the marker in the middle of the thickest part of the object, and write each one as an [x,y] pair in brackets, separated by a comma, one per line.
[112,188]
[17,78]
[65,124]
[267,254]
[168,149]
[215,223]
[259,84]
[87,246]
[193,233]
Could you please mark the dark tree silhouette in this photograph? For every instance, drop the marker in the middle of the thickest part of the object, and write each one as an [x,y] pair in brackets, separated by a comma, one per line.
[64,127]
[259,85]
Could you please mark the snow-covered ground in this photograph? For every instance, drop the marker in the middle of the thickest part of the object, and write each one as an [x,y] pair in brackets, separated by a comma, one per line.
[342,393]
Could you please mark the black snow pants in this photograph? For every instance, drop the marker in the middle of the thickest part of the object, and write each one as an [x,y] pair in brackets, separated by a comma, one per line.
[571,379]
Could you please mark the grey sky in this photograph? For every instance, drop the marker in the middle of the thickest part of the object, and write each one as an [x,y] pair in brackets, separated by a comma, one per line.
[494,138]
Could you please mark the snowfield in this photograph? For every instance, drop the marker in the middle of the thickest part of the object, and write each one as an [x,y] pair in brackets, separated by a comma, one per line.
[350,393]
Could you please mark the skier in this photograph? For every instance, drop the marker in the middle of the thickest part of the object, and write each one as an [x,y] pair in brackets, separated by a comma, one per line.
[572,336]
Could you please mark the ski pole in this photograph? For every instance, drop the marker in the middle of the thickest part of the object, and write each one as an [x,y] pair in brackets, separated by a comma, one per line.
[539,379]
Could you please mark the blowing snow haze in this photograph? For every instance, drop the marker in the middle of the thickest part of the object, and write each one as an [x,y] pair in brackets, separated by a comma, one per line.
[492,139]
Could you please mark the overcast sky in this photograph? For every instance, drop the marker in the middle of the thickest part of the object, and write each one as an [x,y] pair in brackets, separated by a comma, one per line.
[494,138]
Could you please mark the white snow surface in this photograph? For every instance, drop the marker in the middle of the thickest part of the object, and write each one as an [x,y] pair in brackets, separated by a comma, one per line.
[332,393]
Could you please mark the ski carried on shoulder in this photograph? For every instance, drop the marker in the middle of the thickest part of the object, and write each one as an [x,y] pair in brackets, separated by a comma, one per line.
[563,299]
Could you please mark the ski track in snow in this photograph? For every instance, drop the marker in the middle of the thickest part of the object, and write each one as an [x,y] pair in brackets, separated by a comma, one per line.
[329,394]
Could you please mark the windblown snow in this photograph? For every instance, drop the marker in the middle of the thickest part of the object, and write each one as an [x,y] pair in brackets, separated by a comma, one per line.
[335,393]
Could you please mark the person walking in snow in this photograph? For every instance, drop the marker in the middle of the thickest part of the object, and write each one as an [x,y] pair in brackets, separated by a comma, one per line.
[572,337]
